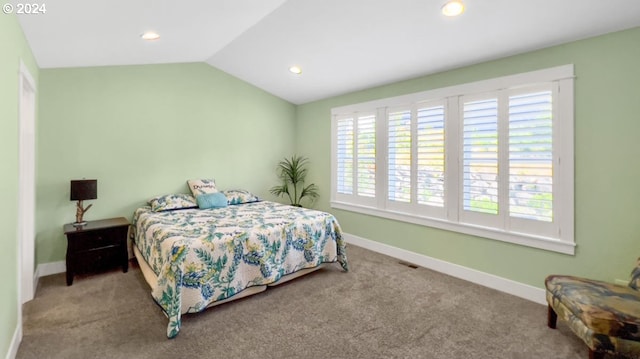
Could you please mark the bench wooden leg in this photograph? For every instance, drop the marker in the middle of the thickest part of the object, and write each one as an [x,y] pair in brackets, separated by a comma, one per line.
[595,355]
[552,318]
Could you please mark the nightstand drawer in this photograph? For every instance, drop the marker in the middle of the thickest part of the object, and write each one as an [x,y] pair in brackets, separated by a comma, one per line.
[92,240]
[96,260]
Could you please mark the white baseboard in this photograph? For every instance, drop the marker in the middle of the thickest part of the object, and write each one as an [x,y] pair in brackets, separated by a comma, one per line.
[15,342]
[534,294]
[46,269]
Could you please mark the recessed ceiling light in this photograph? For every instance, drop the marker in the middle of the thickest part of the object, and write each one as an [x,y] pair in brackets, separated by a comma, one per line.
[150,35]
[453,8]
[295,70]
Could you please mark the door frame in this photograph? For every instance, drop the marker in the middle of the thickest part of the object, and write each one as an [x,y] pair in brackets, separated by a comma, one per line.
[26,185]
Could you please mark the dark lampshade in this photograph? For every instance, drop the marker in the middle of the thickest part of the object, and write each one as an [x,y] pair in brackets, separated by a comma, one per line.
[84,189]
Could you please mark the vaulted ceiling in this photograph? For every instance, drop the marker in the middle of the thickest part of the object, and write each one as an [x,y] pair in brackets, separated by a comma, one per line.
[341,45]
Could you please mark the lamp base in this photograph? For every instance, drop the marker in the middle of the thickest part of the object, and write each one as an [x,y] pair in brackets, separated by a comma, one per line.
[79,224]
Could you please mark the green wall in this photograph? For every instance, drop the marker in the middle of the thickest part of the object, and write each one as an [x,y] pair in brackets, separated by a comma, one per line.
[607,124]
[14,48]
[143,131]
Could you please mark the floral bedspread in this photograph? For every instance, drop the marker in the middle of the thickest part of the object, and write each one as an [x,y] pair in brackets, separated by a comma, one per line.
[204,255]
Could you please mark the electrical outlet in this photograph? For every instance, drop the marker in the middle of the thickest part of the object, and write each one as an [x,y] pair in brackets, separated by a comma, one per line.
[621,281]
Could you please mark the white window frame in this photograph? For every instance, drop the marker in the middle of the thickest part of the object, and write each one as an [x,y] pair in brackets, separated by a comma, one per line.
[450,217]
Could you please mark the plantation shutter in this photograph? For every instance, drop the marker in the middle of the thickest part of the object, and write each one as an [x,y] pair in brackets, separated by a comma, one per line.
[480,156]
[366,156]
[430,156]
[344,155]
[531,156]
[399,160]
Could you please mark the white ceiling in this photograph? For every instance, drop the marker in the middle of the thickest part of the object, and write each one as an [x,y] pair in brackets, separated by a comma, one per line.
[341,45]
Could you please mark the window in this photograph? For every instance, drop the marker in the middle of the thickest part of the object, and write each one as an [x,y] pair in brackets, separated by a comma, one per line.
[416,159]
[344,134]
[531,156]
[399,165]
[492,158]
[355,137]
[430,156]
[480,155]
[366,156]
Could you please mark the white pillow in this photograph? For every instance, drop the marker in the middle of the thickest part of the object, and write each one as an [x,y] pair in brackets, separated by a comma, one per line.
[202,186]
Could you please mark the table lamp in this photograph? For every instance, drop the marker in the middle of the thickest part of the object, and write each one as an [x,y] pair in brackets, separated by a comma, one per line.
[82,190]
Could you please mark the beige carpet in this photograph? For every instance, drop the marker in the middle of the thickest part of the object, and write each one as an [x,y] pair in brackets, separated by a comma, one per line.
[380,309]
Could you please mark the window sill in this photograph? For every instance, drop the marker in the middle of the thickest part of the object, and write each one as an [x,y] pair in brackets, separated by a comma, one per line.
[549,244]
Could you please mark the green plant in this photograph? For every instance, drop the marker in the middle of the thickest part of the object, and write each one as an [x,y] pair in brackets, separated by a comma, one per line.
[293,172]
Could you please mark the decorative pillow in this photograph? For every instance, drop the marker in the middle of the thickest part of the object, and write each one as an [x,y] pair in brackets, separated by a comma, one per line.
[172,201]
[202,186]
[212,200]
[239,196]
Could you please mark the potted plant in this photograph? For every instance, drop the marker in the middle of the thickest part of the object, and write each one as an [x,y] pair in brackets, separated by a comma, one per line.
[293,172]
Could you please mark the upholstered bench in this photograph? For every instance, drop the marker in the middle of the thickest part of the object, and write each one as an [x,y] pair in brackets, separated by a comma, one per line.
[604,315]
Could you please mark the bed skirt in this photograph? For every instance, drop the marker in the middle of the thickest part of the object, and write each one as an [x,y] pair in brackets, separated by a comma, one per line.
[152,280]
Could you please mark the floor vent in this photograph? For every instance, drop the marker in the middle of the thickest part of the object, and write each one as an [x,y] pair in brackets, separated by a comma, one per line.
[410,265]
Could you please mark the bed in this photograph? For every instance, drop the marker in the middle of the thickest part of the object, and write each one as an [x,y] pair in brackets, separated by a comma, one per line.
[196,258]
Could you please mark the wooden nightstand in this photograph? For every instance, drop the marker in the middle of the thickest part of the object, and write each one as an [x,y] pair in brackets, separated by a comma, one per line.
[96,246]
